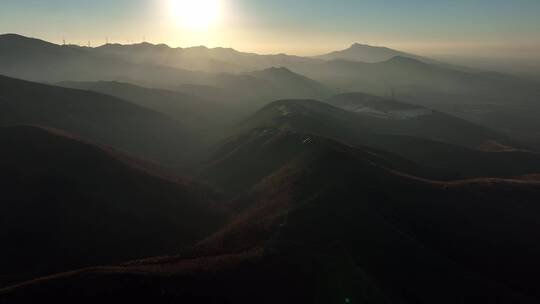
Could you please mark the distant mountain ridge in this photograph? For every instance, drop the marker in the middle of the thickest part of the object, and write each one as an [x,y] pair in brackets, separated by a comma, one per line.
[227,75]
[367,53]
[197,113]
[98,118]
[373,54]
[155,66]
[217,59]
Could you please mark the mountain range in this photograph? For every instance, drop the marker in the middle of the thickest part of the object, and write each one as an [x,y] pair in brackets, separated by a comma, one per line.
[325,225]
[149,174]
[195,112]
[481,97]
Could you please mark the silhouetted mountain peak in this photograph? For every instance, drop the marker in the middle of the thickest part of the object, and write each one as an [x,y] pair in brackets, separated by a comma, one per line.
[279,70]
[367,53]
[297,85]
[405,59]
[199,47]
[140,46]
[12,36]
[361,46]
[148,45]
[20,40]
[224,49]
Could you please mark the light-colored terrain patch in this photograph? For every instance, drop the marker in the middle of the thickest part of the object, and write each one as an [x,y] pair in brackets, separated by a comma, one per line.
[393,114]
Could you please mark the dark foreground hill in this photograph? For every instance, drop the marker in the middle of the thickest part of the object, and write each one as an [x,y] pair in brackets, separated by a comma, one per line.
[365,113]
[459,238]
[96,117]
[424,136]
[244,161]
[67,204]
[335,224]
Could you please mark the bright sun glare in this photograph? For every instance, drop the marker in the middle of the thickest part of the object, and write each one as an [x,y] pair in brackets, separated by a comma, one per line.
[196,14]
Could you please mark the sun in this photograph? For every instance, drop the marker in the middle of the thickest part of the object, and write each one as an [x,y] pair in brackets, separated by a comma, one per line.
[196,14]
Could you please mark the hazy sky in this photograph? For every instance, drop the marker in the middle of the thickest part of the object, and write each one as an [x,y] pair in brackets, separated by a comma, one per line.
[460,27]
